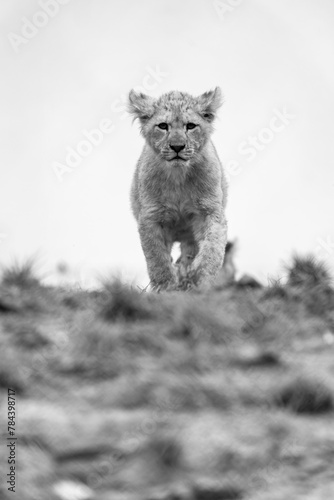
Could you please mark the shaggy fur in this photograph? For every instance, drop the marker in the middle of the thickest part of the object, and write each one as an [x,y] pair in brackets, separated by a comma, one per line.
[179,196]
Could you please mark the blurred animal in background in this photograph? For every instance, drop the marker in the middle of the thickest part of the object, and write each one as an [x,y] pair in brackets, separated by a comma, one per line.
[226,275]
[179,190]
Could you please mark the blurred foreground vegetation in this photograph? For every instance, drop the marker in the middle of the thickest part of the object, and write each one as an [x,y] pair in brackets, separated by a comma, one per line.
[123,394]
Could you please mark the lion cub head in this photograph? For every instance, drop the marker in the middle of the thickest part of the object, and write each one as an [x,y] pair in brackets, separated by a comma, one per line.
[177,125]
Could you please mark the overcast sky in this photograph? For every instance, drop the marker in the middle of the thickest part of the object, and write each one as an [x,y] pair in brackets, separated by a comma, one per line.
[67,66]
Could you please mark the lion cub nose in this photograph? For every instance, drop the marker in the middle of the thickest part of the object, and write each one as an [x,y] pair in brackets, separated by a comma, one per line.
[177,149]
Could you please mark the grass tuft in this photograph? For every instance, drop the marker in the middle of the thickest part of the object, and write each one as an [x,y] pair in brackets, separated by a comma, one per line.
[123,302]
[21,275]
[310,282]
[276,289]
[308,272]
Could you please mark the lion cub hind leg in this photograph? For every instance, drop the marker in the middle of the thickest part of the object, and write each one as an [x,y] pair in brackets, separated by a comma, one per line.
[189,250]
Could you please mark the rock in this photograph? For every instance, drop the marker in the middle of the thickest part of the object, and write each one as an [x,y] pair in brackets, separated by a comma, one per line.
[70,490]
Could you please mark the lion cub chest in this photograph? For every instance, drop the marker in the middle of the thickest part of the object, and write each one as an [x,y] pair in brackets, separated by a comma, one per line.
[178,214]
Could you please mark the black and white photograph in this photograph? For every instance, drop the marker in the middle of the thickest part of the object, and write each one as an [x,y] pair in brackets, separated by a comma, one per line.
[167,250]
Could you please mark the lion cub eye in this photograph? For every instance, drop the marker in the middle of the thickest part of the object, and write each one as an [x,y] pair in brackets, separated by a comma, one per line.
[190,126]
[163,126]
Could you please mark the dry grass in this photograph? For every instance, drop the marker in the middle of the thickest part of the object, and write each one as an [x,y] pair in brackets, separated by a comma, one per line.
[21,275]
[129,395]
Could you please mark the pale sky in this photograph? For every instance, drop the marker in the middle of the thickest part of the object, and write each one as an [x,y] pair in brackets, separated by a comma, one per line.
[71,73]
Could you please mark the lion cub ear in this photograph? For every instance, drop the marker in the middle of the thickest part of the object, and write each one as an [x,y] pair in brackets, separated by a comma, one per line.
[209,102]
[141,105]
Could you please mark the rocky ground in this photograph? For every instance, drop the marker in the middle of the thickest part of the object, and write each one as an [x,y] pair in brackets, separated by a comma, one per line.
[123,394]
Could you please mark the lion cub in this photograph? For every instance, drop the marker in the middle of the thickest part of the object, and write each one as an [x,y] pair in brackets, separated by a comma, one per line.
[179,189]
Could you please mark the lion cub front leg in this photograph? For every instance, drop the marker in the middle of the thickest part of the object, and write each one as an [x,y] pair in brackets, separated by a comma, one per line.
[157,250]
[210,257]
